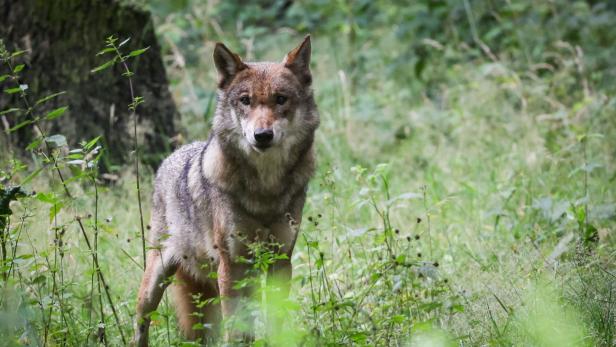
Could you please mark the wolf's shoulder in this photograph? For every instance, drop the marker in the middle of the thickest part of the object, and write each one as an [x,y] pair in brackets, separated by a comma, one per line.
[181,157]
[187,151]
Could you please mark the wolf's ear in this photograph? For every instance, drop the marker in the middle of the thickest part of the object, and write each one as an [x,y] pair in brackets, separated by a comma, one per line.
[227,63]
[298,61]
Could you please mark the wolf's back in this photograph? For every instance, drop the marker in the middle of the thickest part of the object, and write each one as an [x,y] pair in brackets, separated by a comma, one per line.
[171,185]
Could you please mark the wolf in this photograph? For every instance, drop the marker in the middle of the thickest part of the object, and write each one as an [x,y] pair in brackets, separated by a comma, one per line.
[247,181]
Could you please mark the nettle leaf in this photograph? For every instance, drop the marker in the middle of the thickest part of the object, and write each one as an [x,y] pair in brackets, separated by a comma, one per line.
[17,53]
[106,50]
[91,143]
[54,210]
[104,66]
[56,113]
[56,141]
[12,90]
[10,110]
[55,202]
[18,68]
[49,97]
[49,198]
[138,52]
[34,144]
[20,125]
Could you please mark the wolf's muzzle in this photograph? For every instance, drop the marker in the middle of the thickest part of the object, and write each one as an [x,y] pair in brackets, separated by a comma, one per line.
[264,137]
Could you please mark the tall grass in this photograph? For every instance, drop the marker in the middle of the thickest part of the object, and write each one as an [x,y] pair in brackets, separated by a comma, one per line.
[475,209]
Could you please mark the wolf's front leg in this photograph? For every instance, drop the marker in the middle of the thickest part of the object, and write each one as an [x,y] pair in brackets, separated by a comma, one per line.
[229,272]
[159,267]
[285,233]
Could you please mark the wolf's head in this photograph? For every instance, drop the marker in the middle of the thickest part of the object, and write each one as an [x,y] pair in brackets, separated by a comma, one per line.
[265,107]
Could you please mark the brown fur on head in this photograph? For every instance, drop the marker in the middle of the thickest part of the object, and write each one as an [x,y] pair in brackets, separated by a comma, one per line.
[272,103]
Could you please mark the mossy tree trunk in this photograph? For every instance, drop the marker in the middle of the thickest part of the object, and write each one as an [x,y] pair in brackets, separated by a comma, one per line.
[62,38]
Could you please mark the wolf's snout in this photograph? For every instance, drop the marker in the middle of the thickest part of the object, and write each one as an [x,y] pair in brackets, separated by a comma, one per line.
[264,137]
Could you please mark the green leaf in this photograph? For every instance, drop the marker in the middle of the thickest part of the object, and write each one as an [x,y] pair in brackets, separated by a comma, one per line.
[54,201]
[138,52]
[20,125]
[104,66]
[54,210]
[312,244]
[48,97]
[48,198]
[10,110]
[398,319]
[3,77]
[56,113]
[17,53]
[18,68]
[106,50]
[92,142]
[359,337]
[34,144]
[457,308]
[12,90]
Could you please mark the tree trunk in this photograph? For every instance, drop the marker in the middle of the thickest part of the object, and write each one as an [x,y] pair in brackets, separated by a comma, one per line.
[62,38]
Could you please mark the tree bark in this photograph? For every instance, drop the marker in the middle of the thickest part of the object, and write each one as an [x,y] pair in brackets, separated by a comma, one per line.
[62,38]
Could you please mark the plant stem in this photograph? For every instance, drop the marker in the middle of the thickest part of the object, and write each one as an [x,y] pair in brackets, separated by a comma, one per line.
[134,115]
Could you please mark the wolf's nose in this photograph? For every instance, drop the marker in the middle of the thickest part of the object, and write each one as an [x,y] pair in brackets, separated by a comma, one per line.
[264,136]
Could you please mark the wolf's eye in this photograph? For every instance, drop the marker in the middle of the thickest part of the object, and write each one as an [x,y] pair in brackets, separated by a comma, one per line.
[281,99]
[245,100]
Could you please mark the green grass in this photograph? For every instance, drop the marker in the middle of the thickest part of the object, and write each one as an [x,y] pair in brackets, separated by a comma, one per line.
[439,214]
